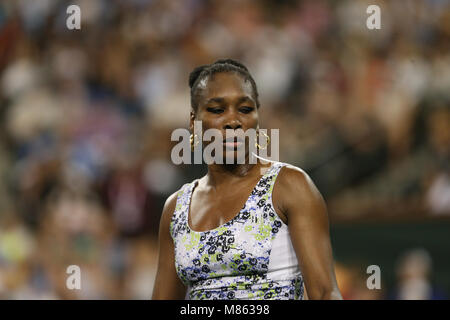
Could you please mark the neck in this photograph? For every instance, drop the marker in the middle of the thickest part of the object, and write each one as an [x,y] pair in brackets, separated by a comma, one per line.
[219,173]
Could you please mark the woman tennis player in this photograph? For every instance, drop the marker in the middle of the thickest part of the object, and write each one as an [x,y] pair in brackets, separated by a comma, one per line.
[243,231]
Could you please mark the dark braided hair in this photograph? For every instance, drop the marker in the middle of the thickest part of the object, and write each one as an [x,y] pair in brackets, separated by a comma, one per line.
[222,65]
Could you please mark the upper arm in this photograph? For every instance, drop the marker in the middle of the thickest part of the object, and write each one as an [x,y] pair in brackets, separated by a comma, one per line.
[167,283]
[303,206]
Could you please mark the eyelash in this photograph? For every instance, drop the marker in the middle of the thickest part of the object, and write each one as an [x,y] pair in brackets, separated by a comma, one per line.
[218,111]
[215,110]
[247,109]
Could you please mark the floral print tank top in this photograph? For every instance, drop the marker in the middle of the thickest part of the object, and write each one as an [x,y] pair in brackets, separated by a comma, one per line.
[248,257]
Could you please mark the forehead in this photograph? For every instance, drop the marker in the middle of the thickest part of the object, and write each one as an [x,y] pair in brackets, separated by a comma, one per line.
[228,85]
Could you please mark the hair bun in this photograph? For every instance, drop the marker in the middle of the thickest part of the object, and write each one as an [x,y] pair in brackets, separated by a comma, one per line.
[232,62]
[195,74]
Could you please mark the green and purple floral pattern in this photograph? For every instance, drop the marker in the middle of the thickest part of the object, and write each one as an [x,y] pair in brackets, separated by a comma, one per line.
[232,260]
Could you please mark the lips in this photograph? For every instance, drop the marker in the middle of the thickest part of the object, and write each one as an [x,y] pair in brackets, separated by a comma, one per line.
[232,143]
[233,139]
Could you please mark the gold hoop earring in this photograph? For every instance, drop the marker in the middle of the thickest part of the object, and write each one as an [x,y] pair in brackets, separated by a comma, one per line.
[194,142]
[267,140]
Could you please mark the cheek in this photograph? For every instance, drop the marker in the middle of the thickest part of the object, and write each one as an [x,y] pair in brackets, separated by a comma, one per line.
[210,124]
[253,121]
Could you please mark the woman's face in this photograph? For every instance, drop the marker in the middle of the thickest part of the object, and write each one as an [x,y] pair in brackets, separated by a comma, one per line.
[226,102]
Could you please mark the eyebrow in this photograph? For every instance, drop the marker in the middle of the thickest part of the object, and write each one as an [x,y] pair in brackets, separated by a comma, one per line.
[218,100]
[221,100]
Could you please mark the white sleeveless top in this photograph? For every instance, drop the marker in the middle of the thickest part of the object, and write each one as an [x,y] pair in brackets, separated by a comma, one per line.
[248,257]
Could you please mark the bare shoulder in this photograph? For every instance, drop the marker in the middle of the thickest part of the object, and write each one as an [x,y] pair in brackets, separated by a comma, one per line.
[295,190]
[169,208]
[295,178]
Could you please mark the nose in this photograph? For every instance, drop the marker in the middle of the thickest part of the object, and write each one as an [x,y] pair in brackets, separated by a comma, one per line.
[233,124]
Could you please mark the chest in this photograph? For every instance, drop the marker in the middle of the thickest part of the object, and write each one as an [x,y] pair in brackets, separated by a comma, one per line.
[230,244]
[238,247]
[208,210]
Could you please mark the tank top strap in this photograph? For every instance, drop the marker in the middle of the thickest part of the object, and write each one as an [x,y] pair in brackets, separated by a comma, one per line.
[262,194]
[273,173]
[182,204]
[268,181]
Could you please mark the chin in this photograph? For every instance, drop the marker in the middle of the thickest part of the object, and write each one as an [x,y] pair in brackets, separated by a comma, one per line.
[231,156]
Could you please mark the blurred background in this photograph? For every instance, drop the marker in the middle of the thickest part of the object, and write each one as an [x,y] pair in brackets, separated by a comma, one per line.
[86,117]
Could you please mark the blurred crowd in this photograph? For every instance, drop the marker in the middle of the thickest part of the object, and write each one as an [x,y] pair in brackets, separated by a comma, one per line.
[413,271]
[86,117]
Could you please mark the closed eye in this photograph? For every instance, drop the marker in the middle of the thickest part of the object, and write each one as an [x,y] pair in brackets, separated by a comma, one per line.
[215,110]
[246,109]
